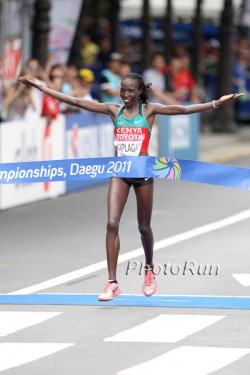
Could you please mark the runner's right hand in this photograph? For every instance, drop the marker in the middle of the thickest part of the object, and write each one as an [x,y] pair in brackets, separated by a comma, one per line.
[29,82]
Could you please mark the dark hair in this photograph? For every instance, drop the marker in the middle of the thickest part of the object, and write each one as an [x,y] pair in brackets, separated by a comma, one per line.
[53,68]
[157,54]
[145,89]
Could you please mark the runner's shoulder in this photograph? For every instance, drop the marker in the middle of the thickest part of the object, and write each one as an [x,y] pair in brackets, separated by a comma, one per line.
[150,107]
[113,107]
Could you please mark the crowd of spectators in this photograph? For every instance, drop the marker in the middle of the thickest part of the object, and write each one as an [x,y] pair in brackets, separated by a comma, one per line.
[101,70]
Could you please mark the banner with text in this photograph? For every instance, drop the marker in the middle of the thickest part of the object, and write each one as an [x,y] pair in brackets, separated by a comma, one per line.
[131,167]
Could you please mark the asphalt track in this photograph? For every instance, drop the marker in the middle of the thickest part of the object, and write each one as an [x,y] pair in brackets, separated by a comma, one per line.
[196,324]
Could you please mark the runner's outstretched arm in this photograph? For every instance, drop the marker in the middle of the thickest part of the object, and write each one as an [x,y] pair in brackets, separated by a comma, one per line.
[160,109]
[90,105]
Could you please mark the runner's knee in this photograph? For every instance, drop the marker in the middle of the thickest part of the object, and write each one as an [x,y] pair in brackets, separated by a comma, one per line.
[112,227]
[144,229]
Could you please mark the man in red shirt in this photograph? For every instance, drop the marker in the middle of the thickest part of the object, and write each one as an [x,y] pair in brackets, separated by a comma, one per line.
[50,107]
[180,82]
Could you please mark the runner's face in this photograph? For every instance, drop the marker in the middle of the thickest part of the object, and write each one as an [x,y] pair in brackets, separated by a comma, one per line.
[129,91]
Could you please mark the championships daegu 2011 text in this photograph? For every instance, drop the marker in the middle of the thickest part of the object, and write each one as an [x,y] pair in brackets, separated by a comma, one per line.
[127,166]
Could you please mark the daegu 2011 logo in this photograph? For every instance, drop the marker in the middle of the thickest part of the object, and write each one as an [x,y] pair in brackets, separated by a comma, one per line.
[168,168]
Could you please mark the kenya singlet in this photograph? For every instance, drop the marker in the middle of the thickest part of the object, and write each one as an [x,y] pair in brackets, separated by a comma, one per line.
[131,135]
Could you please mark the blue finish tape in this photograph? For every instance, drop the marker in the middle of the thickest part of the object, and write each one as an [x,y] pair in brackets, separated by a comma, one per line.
[130,167]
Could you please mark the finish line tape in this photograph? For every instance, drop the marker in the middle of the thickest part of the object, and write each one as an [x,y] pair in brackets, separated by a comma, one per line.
[128,167]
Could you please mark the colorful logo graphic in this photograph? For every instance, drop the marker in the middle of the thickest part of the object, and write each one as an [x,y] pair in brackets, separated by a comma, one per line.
[167,168]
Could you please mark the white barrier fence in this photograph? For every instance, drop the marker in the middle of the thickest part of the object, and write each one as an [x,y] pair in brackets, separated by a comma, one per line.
[31,141]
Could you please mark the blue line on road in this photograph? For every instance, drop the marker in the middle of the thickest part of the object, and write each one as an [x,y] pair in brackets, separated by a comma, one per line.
[208,302]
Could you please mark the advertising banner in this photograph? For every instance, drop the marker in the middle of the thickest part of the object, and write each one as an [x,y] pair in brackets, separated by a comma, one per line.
[11,60]
[63,17]
[179,136]
[26,141]
[88,135]
[11,40]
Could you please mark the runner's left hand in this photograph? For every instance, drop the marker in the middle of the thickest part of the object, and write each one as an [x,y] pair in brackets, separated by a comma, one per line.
[226,98]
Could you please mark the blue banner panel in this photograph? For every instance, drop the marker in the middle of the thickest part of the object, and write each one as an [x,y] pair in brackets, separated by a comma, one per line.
[88,135]
[179,136]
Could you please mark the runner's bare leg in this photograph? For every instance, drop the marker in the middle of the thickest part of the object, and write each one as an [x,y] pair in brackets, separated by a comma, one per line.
[144,196]
[117,198]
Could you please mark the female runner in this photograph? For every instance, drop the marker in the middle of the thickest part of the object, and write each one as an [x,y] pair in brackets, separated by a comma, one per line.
[135,117]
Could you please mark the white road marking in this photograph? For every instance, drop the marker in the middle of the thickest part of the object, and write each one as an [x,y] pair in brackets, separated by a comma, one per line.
[166,328]
[12,321]
[242,278]
[17,354]
[188,360]
[244,215]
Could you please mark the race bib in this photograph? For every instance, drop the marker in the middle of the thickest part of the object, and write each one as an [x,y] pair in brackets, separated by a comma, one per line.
[128,144]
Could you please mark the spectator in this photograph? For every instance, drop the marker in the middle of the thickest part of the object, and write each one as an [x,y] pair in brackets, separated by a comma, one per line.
[57,76]
[59,70]
[50,108]
[89,51]
[77,91]
[18,100]
[155,76]
[70,79]
[36,73]
[179,81]
[188,79]
[125,69]
[110,80]
[70,75]
[178,49]
[81,88]
[86,79]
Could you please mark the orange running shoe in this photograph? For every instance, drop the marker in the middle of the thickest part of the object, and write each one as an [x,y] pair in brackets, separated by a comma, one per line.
[149,286]
[110,291]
